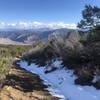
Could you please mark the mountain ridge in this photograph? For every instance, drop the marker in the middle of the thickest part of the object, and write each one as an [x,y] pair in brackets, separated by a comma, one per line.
[31,36]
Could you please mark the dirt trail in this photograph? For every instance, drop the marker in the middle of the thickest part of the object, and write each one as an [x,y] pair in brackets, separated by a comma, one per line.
[22,85]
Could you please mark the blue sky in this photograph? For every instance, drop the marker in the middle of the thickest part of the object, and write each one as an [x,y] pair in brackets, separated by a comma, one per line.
[68,11]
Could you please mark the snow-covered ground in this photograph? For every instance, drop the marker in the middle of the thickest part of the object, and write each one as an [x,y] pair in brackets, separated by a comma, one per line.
[61,82]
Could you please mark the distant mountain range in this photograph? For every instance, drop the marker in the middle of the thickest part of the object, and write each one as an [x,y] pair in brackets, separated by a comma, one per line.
[30,36]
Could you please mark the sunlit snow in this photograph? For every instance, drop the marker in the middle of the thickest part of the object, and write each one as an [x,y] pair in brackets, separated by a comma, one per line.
[61,83]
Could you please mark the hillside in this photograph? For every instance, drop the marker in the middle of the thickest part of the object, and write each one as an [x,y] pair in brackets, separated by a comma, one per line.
[23,85]
[9,41]
[17,83]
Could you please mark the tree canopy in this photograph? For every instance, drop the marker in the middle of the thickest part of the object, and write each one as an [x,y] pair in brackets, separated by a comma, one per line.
[90,18]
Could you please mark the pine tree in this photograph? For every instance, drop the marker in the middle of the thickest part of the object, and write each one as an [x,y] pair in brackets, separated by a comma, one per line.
[91,18]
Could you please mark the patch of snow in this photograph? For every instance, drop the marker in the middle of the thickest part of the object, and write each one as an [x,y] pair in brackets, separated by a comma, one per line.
[57,63]
[61,83]
[53,65]
[96,78]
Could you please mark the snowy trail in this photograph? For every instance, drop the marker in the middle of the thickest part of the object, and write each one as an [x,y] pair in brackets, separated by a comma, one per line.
[53,89]
[62,83]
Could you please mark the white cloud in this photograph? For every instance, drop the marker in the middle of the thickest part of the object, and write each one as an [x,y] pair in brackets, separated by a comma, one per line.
[36,25]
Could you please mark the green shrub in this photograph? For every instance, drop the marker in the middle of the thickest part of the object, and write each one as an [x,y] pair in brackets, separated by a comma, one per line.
[83,41]
[5,64]
[7,54]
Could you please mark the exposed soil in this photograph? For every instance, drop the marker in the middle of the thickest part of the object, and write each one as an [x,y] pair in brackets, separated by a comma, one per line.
[23,85]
